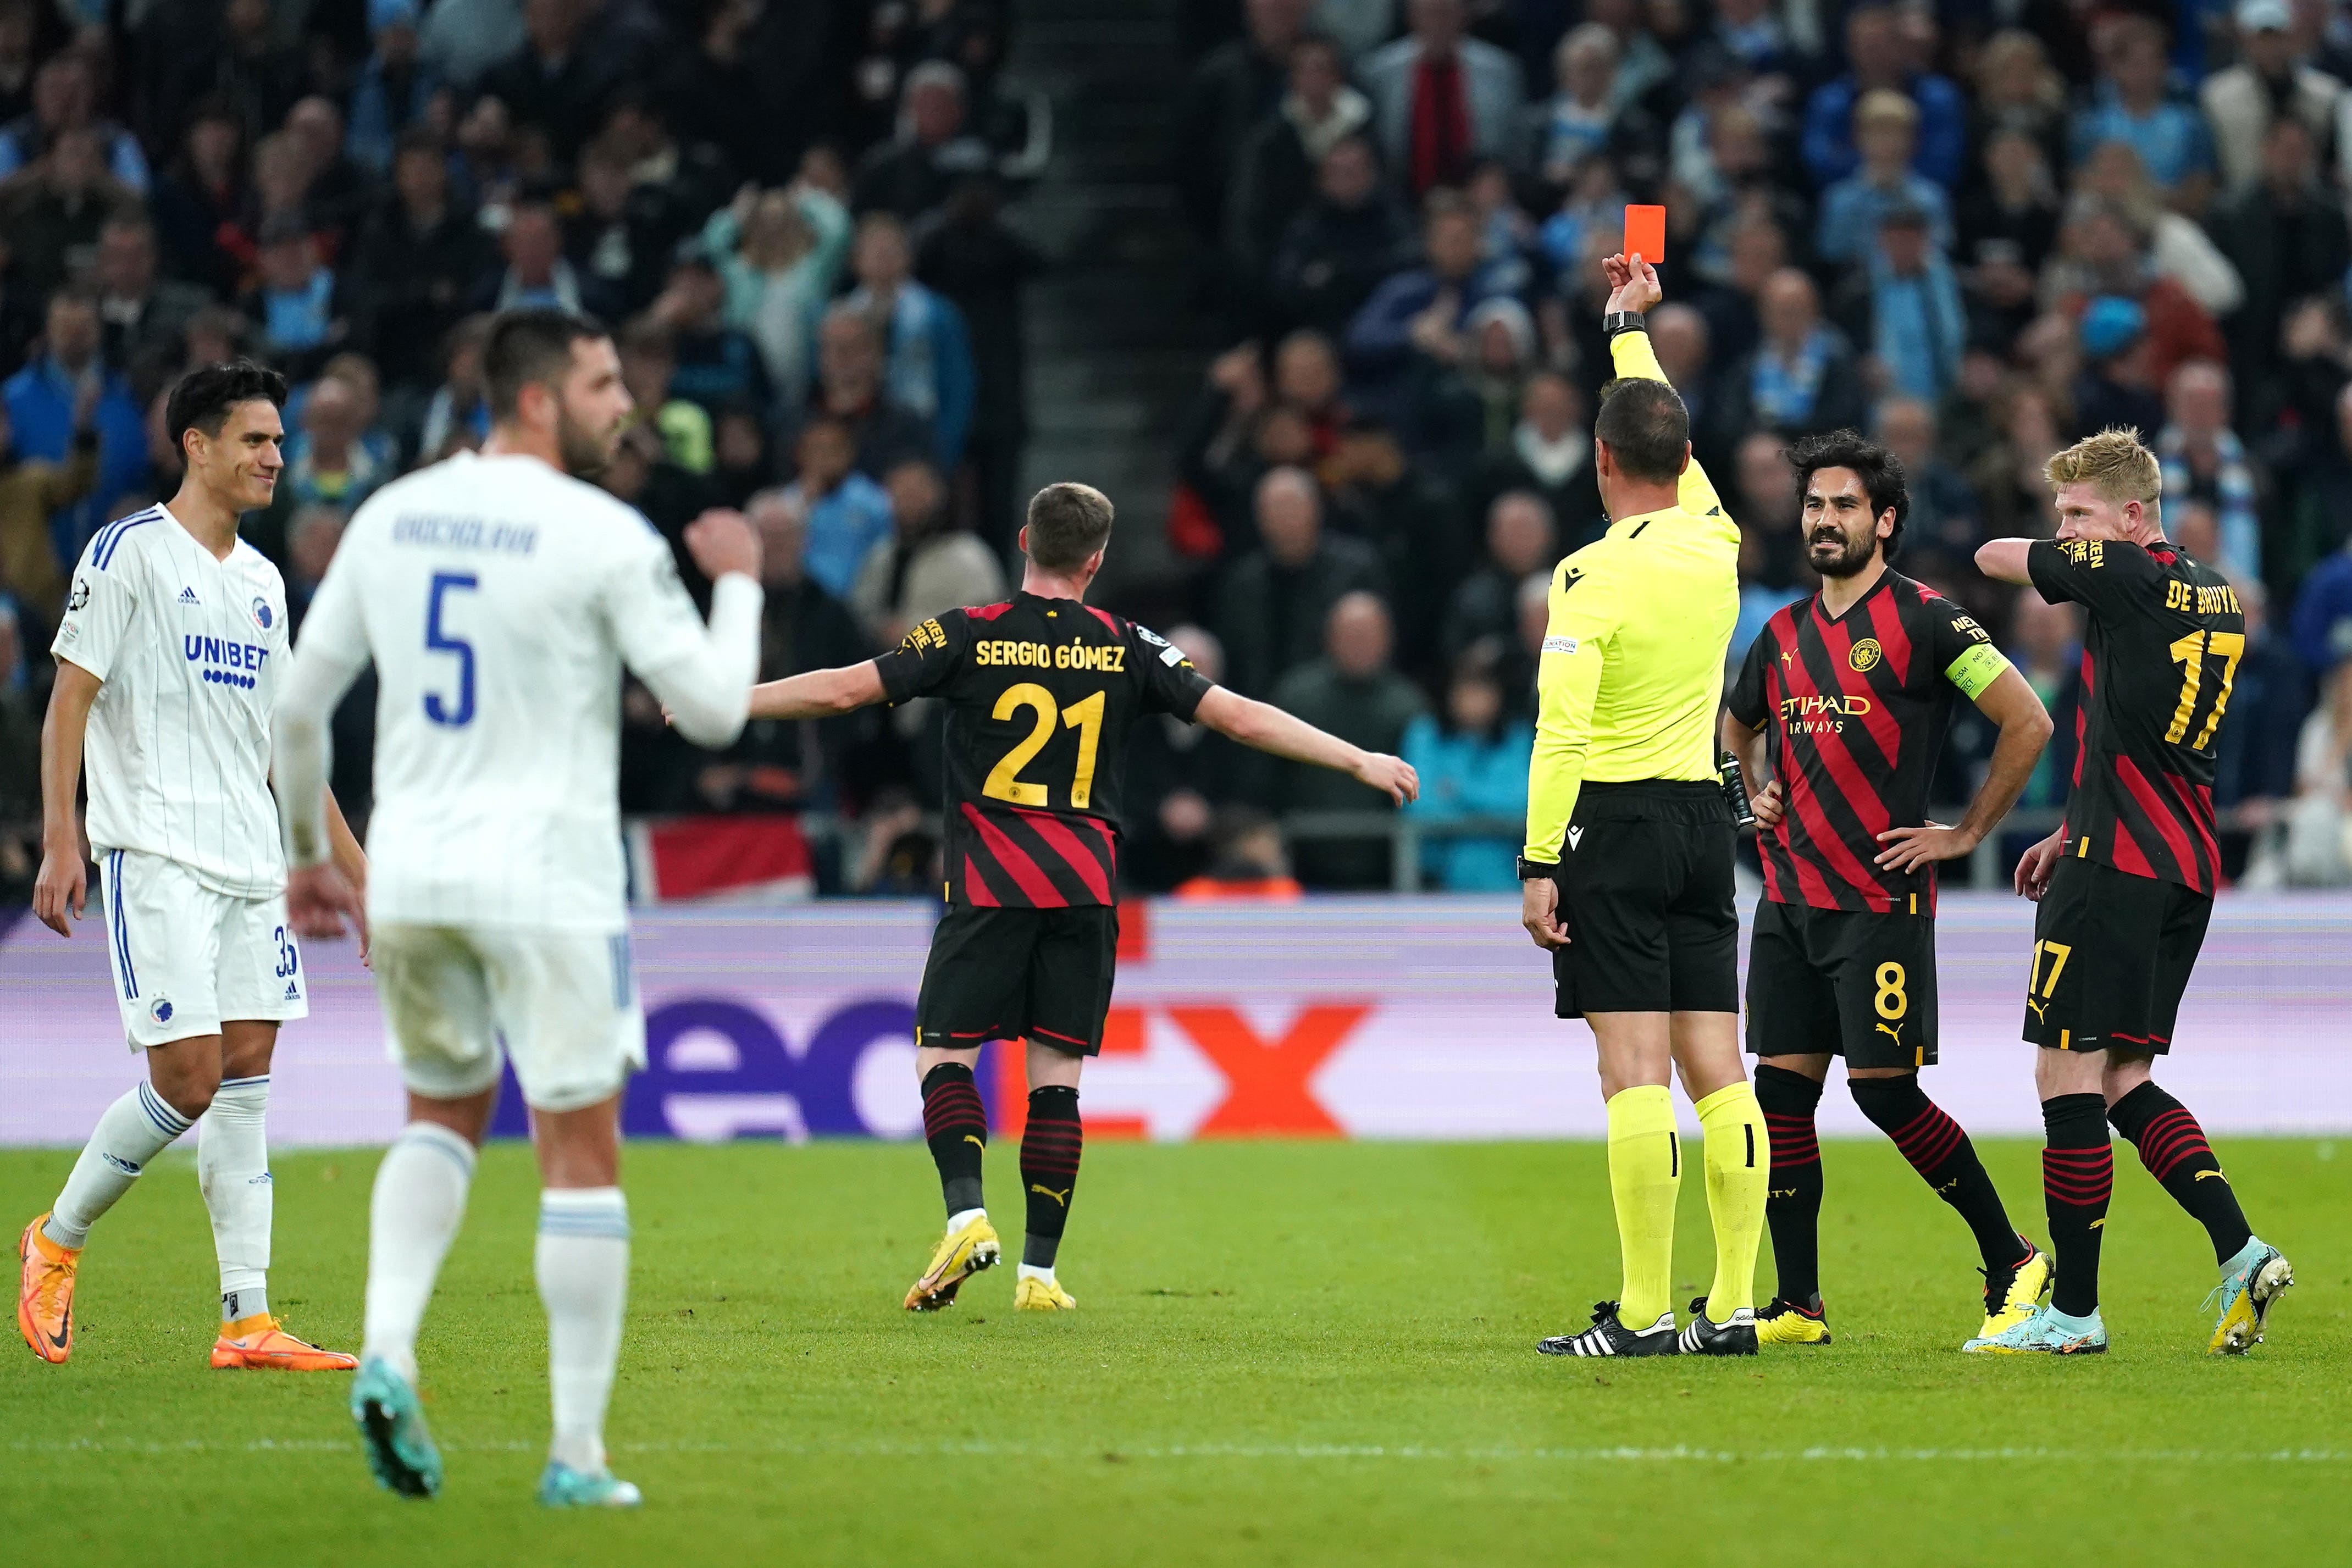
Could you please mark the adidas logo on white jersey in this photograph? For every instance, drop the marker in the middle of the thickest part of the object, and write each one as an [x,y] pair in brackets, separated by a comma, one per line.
[188,596]
[293,992]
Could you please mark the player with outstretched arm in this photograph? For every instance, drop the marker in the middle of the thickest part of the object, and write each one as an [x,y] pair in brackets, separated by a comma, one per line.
[1041,692]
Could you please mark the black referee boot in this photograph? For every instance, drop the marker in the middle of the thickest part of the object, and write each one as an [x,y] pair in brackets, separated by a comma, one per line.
[1609,1336]
[1737,1337]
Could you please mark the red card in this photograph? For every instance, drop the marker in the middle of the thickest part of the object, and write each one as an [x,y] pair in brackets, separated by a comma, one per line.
[1645,234]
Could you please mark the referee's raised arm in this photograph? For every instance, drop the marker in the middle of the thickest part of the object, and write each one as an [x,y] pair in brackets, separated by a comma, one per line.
[1627,867]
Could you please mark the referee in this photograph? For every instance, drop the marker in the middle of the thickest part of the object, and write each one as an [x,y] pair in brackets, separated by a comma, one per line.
[1627,868]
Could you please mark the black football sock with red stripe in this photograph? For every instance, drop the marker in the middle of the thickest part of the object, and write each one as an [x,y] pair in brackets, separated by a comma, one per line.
[1793,1205]
[1049,1170]
[955,1124]
[2173,1148]
[2078,1176]
[1940,1151]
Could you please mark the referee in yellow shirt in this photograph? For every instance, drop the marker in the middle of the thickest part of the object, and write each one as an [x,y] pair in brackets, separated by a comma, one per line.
[1626,874]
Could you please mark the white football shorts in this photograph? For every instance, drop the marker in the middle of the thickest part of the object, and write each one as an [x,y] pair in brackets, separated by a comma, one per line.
[185,957]
[562,1006]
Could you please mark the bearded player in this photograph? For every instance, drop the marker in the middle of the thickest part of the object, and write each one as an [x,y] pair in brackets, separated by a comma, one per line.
[1851,692]
[169,657]
[1041,692]
[2126,886]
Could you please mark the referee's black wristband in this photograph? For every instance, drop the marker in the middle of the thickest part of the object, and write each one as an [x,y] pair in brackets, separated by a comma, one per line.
[1536,871]
[1618,321]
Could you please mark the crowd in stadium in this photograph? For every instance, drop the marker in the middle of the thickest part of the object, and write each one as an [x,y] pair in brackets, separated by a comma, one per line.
[1974,232]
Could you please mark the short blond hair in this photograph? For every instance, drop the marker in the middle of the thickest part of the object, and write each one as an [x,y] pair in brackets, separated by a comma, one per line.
[2116,461]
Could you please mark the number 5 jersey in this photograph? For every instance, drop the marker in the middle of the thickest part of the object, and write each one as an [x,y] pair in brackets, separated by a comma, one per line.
[2165,636]
[1040,695]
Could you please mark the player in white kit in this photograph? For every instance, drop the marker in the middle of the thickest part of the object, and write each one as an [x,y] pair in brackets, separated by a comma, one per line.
[499,596]
[169,657]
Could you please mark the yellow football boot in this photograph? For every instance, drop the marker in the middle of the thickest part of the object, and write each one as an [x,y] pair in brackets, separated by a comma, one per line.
[1036,1295]
[960,1254]
[44,1295]
[259,1343]
[2010,1302]
[1785,1322]
[2247,1294]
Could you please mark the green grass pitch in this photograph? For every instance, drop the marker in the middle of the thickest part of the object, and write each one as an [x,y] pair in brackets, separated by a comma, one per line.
[1286,1352]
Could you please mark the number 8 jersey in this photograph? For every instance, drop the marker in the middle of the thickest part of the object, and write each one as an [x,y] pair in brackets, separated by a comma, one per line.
[1040,694]
[2167,633]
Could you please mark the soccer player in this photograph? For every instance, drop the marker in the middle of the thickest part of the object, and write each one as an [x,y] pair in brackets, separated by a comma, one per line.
[500,596]
[169,657]
[1854,690]
[1041,692]
[2126,885]
[1627,868]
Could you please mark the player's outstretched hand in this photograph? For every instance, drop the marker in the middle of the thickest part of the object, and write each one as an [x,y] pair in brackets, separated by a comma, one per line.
[1908,849]
[321,905]
[721,540]
[2034,869]
[1392,776]
[1539,913]
[62,886]
[1633,283]
[1769,805]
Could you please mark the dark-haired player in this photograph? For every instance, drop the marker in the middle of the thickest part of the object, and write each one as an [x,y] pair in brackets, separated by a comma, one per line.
[1041,692]
[1851,691]
[169,657]
[2126,886]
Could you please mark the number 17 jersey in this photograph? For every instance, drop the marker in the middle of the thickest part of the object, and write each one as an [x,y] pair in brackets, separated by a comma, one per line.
[1040,694]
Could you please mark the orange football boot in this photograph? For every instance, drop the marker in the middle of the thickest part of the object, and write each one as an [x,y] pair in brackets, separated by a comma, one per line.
[44,1298]
[258,1344]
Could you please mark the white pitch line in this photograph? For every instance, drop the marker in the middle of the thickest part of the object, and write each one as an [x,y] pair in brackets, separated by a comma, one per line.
[1301,1451]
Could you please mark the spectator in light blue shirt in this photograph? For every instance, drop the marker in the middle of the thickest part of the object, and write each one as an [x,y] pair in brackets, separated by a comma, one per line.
[1887,130]
[847,513]
[64,98]
[1474,764]
[2132,104]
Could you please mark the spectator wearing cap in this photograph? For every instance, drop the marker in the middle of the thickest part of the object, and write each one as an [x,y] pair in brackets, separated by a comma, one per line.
[1802,377]
[417,257]
[926,349]
[1443,100]
[1904,303]
[2204,462]
[65,391]
[1336,252]
[394,88]
[1275,172]
[65,99]
[2116,387]
[2133,102]
[1887,130]
[2272,77]
[1878,59]
[913,173]
[2285,235]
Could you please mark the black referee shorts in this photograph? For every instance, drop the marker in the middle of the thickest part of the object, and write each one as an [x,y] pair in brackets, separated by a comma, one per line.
[1646,892]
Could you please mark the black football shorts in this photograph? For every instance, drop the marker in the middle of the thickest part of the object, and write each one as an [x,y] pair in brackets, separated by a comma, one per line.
[1850,982]
[1645,891]
[1013,974]
[2112,955]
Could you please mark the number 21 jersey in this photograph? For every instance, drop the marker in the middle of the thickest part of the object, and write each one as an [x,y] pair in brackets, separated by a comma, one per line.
[1040,695]
[2167,633]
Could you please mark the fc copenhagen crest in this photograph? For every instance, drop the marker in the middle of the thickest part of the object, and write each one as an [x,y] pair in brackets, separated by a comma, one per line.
[262,615]
[1863,656]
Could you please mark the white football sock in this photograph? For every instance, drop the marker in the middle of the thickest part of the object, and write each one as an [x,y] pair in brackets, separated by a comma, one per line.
[419,1202]
[133,1130]
[233,1170]
[1030,1271]
[965,1217]
[583,1280]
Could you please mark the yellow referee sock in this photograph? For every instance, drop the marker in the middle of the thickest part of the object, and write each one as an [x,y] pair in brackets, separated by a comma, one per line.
[1645,1171]
[1739,1180]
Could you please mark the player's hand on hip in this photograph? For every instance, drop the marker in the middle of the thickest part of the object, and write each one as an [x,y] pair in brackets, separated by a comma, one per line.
[1392,776]
[1908,849]
[1539,913]
[62,886]
[721,540]
[319,903]
[2034,867]
[1769,805]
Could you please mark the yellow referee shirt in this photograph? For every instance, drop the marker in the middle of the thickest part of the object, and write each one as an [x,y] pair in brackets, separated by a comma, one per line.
[1632,672]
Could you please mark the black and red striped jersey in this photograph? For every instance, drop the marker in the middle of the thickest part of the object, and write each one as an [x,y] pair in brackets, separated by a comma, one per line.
[1855,707]
[1040,695]
[2167,633]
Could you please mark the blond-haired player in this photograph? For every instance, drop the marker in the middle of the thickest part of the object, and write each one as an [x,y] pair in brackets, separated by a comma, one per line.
[2126,884]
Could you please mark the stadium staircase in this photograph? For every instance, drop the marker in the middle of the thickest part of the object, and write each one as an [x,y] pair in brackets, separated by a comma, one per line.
[1115,347]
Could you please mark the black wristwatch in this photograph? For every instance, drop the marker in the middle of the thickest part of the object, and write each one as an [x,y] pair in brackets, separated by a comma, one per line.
[1617,321]
[1536,871]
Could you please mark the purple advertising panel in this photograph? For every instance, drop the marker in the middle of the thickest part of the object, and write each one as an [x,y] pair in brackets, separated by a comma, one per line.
[1379,1017]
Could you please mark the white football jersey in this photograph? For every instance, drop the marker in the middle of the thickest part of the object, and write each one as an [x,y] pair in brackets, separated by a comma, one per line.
[191,649]
[500,599]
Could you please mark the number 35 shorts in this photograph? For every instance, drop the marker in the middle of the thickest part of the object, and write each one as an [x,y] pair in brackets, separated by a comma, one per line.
[186,956]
